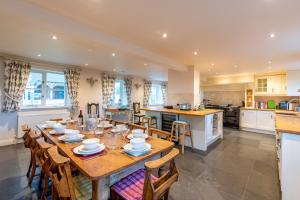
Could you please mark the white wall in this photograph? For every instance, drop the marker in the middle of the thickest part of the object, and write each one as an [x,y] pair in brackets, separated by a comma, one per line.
[87,94]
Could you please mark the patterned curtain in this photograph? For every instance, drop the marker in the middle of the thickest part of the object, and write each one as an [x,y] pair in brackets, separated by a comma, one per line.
[15,80]
[72,78]
[128,87]
[164,86]
[147,92]
[108,87]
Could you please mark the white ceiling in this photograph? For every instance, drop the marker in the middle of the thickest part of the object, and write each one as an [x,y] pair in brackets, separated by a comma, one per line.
[226,33]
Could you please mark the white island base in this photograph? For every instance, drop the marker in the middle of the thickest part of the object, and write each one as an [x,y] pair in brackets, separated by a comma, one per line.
[206,128]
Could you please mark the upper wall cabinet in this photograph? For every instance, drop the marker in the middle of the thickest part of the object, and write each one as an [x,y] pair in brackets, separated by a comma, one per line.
[293,83]
[270,85]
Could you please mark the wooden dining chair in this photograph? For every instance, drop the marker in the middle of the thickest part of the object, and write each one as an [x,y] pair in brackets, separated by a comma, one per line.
[160,134]
[64,185]
[33,136]
[43,160]
[142,184]
[116,122]
[136,126]
[25,137]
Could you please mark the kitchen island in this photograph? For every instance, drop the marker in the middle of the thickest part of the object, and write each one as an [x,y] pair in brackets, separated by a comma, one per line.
[206,125]
[288,146]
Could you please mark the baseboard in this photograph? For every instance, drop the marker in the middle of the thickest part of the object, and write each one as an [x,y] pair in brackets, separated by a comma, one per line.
[258,131]
[5,142]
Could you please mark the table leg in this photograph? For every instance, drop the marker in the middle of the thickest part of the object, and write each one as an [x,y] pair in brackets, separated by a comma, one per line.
[101,189]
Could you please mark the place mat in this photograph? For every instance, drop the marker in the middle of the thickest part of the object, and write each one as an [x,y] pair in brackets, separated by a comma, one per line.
[88,157]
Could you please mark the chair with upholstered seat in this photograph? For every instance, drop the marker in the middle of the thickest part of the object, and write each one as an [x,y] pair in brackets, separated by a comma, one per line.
[143,185]
[64,185]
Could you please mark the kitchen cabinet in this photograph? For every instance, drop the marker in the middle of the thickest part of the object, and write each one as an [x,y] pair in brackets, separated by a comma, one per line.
[255,120]
[265,120]
[248,118]
[293,82]
[270,85]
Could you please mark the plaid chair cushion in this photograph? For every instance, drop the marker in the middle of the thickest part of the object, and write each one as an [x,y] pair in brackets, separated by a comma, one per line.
[83,187]
[131,187]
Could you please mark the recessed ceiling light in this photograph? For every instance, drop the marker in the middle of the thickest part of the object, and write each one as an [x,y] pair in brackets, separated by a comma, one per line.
[114,70]
[212,64]
[235,66]
[164,35]
[90,50]
[86,64]
[145,64]
[272,35]
[269,62]
[39,55]
[54,37]
[113,54]
[195,53]
[217,73]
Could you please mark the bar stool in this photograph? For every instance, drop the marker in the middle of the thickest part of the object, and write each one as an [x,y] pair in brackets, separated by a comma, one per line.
[150,121]
[186,131]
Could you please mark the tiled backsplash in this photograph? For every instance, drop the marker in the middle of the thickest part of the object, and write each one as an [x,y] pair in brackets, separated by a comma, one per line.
[225,97]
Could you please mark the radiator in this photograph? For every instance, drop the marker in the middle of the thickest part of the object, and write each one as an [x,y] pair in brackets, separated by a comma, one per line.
[32,118]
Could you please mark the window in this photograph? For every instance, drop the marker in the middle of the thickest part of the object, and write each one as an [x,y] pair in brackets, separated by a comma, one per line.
[156,97]
[44,89]
[120,95]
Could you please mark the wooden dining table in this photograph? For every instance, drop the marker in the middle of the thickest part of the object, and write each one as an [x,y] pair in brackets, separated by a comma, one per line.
[115,164]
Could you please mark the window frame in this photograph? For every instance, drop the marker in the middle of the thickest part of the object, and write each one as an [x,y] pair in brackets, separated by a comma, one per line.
[158,86]
[122,91]
[44,91]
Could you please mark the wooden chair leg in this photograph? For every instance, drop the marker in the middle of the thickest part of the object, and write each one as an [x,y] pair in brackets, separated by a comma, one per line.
[29,167]
[191,138]
[53,193]
[183,140]
[45,190]
[32,171]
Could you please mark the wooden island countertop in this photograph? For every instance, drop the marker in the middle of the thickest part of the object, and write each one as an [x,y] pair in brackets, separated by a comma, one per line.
[182,112]
[288,124]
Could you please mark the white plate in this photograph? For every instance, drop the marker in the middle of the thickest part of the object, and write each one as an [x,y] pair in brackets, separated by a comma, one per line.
[76,150]
[95,150]
[104,126]
[128,148]
[130,136]
[65,138]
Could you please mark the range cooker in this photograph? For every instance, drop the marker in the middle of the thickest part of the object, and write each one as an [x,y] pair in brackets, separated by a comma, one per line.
[231,115]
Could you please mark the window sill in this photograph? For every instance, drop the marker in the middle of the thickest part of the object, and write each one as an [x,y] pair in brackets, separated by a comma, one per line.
[24,109]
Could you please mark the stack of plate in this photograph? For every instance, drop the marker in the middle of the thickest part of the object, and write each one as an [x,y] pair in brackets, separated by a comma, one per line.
[137,147]
[89,147]
[71,136]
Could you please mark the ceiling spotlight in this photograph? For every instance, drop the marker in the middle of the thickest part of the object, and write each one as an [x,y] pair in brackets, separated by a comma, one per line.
[195,53]
[145,64]
[54,37]
[235,66]
[113,54]
[39,55]
[164,35]
[269,62]
[212,64]
[272,35]
[114,70]
[86,64]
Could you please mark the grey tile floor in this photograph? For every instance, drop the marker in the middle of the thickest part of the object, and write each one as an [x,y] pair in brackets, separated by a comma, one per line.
[240,167]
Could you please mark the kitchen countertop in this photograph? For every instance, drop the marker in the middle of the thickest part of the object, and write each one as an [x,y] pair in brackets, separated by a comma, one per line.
[183,112]
[287,124]
[277,111]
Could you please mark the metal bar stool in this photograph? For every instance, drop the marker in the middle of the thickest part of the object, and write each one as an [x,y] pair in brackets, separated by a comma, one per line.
[177,136]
